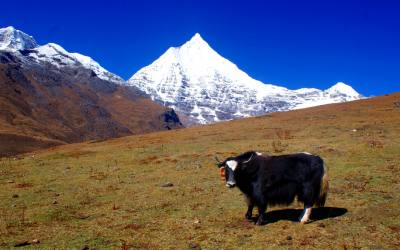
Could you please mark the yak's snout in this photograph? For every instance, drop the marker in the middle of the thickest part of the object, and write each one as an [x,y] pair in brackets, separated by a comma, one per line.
[230,184]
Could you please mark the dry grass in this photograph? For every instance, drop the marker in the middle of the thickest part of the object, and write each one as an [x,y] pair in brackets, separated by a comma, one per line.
[108,194]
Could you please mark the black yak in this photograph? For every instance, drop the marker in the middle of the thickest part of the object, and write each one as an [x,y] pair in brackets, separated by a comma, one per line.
[277,180]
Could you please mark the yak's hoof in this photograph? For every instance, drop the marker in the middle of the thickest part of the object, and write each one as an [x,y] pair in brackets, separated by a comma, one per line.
[260,222]
[249,217]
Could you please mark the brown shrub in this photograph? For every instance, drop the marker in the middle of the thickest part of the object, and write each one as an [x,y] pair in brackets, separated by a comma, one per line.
[278,146]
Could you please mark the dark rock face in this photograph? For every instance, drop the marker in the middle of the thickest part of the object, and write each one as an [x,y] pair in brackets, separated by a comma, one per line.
[171,119]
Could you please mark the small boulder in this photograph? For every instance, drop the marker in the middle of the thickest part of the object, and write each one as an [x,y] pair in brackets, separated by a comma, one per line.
[22,244]
[167,184]
[35,241]
[193,245]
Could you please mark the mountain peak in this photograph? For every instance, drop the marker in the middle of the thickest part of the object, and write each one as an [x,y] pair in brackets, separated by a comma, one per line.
[9,28]
[196,42]
[13,39]
[196,37]
[341,87]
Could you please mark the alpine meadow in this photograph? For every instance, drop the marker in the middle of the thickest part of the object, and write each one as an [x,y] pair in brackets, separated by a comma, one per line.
[163,191]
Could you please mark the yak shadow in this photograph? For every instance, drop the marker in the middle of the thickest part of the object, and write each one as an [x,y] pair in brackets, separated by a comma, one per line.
[317,214]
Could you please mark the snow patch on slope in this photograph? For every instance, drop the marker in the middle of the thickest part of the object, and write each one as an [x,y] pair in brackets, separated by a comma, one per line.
[58,56]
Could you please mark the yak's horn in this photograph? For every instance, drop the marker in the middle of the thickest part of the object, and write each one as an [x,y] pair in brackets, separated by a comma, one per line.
[251,157]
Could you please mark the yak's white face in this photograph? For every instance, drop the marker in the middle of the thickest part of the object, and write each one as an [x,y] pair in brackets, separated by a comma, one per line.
[230,167]
[232,164]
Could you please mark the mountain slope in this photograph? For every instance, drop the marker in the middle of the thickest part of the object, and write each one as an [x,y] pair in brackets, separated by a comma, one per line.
[197,81]
[49,96]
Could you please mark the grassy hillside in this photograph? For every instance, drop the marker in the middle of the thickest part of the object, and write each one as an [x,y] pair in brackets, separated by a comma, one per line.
[109,194]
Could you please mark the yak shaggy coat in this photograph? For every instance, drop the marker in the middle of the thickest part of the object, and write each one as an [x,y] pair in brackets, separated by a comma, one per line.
[278,180]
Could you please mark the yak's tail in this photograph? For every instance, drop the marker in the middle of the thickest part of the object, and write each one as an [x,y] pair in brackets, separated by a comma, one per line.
[324,187]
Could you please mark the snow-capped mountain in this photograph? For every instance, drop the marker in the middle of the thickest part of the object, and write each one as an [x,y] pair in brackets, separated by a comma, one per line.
[12,39]
[198,82]
[16,41]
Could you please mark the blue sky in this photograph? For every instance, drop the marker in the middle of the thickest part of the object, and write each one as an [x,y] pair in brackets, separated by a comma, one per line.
[290,43]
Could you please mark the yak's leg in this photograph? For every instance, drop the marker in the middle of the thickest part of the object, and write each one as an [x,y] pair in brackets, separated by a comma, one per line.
[261,214]
[308,203]
[306,214]
[250,206]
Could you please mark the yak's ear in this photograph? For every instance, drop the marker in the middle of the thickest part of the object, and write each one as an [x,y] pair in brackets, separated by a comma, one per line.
[232,164]
[219,163]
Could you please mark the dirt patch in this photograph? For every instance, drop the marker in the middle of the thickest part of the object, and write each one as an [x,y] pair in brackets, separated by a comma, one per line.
[24,185]
[149,159]
[78,153]
[133,226]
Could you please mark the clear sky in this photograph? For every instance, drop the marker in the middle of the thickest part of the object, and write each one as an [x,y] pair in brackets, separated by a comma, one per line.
[290,43]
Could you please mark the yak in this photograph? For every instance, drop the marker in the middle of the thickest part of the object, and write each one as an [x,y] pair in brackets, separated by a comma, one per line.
[277,180]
